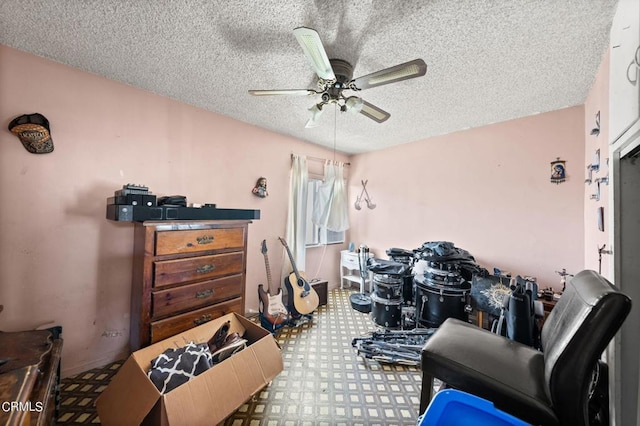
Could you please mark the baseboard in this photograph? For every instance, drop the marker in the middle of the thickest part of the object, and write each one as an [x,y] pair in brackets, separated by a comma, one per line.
[98,363]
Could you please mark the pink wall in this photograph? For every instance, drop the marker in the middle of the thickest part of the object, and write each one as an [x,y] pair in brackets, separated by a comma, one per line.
[487,190]
[61,261]
[598,100]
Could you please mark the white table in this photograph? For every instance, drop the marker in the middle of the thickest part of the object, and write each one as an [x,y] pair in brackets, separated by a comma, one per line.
[350,270]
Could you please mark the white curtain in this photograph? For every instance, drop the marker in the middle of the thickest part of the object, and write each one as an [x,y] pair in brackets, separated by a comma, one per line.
[330,209]
[297,216]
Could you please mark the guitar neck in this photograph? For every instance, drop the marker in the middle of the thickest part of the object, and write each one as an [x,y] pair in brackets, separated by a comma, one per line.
[268,268]
[293,262]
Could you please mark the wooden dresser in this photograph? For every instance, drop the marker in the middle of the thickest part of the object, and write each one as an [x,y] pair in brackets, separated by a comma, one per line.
[185,273]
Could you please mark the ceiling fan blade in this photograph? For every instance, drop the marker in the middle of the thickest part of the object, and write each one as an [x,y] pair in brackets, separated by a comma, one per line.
[411,69]
[291,92]
[373,112]
[314,50]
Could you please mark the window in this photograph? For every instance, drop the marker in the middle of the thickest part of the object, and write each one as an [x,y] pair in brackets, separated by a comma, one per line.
[317,235]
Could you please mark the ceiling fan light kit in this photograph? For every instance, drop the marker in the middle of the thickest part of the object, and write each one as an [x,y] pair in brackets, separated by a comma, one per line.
[336,76]
[315,110]
[354,104]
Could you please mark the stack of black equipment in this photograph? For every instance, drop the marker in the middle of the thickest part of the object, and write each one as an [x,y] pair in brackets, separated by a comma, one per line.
[443,290]
[386,299]
[135,203]
[133,195]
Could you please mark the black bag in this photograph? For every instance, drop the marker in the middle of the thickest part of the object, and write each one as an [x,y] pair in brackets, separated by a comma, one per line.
[173,201]
[520,310]
[387,267]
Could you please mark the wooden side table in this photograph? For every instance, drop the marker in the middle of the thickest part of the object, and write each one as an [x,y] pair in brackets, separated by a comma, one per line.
[321,288]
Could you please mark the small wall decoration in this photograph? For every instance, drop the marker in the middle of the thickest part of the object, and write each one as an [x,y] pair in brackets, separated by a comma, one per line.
[595,164]
[367,198]
[601,219]
[596,130]
[605,178]
[260,189]
[589,177]
[596,194]
[558,171]
[34,133]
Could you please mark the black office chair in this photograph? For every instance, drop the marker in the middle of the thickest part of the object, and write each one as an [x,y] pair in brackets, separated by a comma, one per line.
[548,387]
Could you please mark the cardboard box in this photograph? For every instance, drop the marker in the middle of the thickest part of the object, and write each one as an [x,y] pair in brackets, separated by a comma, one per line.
[132,399]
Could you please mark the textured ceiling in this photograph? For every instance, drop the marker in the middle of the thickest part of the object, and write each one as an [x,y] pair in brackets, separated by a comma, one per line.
[488,61]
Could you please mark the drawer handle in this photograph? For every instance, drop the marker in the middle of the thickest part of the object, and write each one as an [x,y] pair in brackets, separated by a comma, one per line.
[206,268]
[204,294]
[202,319]
[207,239]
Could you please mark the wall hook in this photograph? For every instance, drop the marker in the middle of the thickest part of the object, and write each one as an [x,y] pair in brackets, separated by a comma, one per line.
[595,164]
[596,195]
[605,178]
[589,177]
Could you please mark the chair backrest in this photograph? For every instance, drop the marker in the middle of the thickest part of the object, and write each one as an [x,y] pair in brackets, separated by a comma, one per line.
[574,336]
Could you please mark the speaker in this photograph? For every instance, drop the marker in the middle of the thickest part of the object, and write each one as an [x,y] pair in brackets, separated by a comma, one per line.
[122,213]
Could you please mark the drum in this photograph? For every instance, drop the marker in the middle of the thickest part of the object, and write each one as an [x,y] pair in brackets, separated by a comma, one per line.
[436,302]
[441,276]
[404,257]
[452,266]
[401,255]
[407,289]
[388,286]
[385,312]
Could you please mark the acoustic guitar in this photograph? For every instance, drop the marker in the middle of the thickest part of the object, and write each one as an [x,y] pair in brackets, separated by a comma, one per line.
[303,299]
[272,307]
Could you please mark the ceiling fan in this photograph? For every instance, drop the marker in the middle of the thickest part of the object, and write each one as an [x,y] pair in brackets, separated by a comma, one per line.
[335,76]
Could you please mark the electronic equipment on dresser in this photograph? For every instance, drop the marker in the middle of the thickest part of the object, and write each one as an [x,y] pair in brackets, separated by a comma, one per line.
[135,203]
[128,213]
[134,195]
[272,308]
[302,298]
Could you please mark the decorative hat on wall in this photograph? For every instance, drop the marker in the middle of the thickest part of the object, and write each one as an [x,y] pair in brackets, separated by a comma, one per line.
[34,133]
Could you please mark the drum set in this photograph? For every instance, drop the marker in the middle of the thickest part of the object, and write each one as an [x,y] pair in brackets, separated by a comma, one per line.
[411,292]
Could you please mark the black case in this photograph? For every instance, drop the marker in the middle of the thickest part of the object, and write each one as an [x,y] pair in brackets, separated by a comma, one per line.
[129,213]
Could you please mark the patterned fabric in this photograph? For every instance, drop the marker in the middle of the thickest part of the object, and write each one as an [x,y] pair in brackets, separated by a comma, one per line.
[174,367]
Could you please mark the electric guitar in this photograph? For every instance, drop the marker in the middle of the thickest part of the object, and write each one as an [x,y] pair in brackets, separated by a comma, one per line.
[303,299]
[272,307]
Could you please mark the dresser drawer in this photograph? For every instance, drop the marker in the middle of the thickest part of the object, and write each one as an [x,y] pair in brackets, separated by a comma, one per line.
[191,241]
[350,260]
[200,268]
[191,296]
[162,329]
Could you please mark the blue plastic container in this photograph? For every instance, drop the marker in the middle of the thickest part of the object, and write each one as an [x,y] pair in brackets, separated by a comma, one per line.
[452,407]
